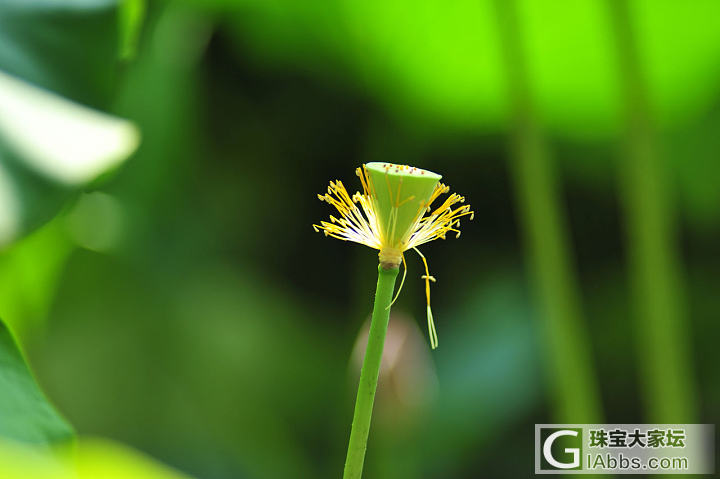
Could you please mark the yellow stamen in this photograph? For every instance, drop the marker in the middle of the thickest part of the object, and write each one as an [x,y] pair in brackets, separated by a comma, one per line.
[402,282]
[358,221]
[431,323]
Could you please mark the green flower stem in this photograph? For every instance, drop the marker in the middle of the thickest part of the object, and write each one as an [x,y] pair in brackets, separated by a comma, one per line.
[566,339]
[369,374]
[655,269]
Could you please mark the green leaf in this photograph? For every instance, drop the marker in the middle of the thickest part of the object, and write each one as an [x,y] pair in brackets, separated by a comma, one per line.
[61,140]
[50,146]
[67,46]
[25,413]
[57,58]
[29,423]
[30,272]
[89,459]
[110,460]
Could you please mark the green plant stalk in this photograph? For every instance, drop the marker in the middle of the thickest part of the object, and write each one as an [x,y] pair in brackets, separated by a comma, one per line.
[655,270]
[566,339]
[369,373]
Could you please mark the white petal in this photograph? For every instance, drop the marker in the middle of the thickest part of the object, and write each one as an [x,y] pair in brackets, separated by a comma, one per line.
[60,139]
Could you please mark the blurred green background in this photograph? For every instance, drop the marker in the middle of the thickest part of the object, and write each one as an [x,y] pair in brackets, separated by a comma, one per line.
[178,301]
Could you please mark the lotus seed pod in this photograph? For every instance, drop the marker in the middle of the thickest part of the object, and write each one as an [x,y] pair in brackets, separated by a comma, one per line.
[401,195]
